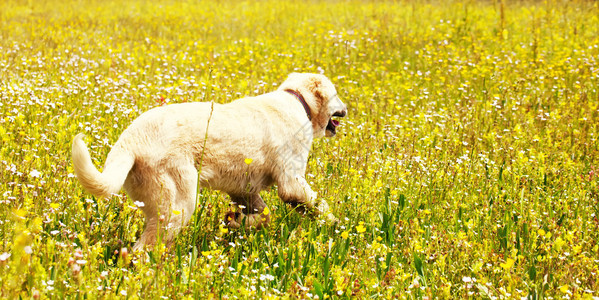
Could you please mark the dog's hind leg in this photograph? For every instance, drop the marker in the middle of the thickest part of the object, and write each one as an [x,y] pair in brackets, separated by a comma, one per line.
[184,204]
[168,196]
[254,212]
[156,193]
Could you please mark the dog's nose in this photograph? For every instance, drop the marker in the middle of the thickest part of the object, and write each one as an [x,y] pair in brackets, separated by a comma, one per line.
[340,113]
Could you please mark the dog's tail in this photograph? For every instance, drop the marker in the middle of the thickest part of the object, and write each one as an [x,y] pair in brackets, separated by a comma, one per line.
[110,181]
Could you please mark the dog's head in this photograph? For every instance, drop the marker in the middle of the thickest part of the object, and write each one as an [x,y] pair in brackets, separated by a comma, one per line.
[322,99]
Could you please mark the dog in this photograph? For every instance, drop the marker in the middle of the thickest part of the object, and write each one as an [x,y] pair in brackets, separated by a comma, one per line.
[240,148]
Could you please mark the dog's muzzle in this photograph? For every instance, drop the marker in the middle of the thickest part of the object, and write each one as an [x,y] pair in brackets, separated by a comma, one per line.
[332,125]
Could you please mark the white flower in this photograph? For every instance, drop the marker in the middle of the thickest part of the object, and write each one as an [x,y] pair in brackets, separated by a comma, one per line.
[28,249]
[267,277]
[35,173]
[4,256]
[139,204]
[466,279]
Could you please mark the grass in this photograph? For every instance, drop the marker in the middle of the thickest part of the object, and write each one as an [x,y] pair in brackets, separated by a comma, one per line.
[467,167]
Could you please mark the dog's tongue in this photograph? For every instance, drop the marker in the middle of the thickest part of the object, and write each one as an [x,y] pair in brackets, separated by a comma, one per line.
[335,122]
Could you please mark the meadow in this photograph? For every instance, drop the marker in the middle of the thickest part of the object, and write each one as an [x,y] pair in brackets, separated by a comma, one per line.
[468,165]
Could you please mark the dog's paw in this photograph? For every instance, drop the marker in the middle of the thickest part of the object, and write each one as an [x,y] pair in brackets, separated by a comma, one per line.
[331,219]
[323,211]
[231,219]
[236,220]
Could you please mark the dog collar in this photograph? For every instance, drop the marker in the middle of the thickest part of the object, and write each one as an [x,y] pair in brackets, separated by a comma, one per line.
[302,100]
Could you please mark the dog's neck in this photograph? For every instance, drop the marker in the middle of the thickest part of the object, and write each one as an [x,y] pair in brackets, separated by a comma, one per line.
[302,100]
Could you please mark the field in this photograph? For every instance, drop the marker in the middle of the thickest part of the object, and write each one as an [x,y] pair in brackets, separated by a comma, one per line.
[468,166]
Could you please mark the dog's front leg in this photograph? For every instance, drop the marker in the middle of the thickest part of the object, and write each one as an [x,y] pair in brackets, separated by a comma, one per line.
[297,192]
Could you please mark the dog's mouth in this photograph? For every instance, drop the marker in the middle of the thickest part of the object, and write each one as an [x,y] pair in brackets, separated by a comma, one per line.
[332,125]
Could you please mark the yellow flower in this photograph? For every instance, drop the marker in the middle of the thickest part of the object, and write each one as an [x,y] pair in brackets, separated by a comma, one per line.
[248,161]
[176,212]
[266,211]
[508,264]
[223,229]
[345,235]
[21,213]
[360,228]
[54,205]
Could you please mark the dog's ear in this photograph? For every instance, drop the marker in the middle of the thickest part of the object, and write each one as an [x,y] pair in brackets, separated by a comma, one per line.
[293,81]
[315,86]
[294,76]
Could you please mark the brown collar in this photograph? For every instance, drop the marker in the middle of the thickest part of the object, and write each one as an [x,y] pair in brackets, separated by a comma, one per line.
[301,99]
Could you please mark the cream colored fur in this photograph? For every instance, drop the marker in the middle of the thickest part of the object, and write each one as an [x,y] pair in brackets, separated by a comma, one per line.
[166,152]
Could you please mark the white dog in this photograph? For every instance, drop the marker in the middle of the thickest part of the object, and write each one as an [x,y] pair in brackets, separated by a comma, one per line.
[240,148]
